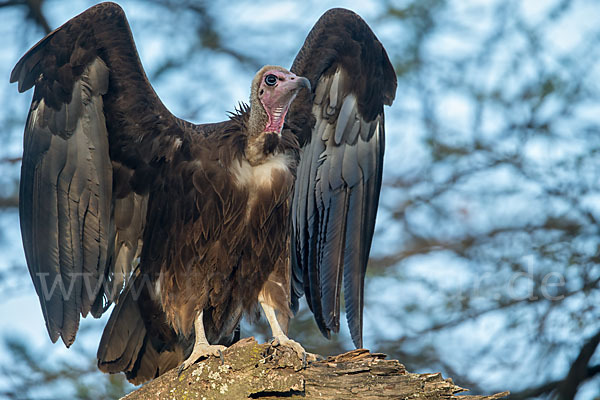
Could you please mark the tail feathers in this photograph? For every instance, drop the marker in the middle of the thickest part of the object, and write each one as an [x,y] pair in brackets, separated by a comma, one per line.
[142,349]
[123,337]
[151,363]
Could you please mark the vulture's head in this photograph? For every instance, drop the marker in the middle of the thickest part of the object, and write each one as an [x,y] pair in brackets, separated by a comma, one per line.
[273,90]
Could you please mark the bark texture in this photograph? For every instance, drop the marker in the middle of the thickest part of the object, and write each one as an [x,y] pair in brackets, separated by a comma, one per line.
[260,371]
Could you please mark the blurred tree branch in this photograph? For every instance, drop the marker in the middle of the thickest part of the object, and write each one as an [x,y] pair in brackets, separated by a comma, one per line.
[9,202]
[34,11]
[579,371]
[36,14]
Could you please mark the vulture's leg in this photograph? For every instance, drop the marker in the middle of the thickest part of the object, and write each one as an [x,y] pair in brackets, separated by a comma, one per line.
[201,346]
[274,298]
[279,336]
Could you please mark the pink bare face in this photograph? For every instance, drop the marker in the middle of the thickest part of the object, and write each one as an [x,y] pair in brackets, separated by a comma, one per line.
[276,92]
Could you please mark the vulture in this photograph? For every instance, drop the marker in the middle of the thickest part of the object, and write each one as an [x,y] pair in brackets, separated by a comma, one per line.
[187,228]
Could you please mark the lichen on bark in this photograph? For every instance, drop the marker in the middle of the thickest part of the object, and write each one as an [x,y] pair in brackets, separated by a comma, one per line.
[250,370]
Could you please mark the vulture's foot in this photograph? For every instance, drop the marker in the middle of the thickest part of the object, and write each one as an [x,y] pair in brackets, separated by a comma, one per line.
[283,340]
[200,351]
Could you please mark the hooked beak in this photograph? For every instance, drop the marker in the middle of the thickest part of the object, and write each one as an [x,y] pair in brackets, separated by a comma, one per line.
[302,82]
[295,83]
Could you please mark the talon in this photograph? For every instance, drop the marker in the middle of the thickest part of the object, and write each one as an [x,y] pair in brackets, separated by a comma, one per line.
[280,338]
[285,341]
[202,351]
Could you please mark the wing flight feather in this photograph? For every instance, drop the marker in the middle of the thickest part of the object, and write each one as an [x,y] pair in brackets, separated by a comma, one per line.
[95,134]
[339,174]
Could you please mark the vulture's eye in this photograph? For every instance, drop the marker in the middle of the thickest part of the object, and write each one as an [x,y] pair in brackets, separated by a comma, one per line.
[271,80]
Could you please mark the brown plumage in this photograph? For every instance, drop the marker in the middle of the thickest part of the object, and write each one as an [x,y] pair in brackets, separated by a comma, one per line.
[277,202]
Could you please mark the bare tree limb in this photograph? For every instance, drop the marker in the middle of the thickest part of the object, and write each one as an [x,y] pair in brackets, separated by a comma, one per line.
[36,14]
[549,387]
[579,371]
[9,202]
[259,371]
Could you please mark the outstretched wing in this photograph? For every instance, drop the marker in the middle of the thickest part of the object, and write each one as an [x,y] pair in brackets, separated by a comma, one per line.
[95,133]
[341,132]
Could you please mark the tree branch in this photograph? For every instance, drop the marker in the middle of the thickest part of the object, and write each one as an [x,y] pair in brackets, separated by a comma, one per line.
[260,371]
[9,202]
[36,14]
[579,371]
[570,383]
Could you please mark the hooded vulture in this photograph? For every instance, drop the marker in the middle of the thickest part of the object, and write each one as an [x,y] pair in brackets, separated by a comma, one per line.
[185,227]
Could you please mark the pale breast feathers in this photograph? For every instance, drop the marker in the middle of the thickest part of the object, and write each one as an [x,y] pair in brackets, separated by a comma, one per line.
[273,176]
